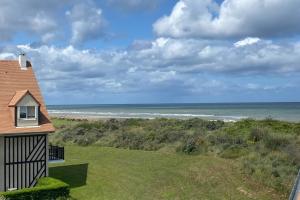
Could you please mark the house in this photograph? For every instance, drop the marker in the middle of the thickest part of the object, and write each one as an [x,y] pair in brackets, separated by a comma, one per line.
[24,126]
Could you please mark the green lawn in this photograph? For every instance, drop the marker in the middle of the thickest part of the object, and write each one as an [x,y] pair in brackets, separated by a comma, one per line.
[109,173]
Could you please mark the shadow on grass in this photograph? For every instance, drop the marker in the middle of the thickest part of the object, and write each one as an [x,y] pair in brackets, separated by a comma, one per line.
[74,175]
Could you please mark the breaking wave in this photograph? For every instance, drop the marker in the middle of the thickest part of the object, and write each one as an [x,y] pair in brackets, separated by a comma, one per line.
[141,115]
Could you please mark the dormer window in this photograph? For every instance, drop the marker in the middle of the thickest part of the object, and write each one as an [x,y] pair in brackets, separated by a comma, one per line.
[26,109]
[28,112]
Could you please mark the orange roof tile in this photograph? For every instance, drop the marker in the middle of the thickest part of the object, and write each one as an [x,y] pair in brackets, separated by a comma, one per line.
[19,96]
[14,85]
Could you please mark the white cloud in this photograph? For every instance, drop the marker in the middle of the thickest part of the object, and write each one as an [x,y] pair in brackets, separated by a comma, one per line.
[7,56]
[47,21]
[188,56]
[233,18]
[160,69]
[35,17]
[252,86]
[158,76]
[42,23]
[134,5]
[87,23]
[166,60]
[169,57]
[246,41]
[132,69]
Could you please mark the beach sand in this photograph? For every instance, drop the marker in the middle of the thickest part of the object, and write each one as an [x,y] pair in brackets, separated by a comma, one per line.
[104,118]
[90,117]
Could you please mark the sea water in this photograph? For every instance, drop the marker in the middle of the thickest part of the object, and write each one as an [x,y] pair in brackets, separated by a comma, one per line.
[210,111]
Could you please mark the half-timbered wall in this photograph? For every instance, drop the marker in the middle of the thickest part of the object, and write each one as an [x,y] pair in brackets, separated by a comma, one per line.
[1,163]
[24,160]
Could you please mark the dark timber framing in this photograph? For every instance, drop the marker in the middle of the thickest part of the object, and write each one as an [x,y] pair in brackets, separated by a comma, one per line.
[25,160]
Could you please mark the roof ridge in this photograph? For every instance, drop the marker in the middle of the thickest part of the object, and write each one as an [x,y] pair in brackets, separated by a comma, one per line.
[19,95]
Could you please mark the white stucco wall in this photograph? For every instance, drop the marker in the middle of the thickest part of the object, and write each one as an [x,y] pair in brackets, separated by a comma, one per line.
[1,163]
[27,101]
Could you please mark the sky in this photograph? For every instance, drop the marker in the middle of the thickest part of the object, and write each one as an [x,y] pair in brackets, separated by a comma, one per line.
[158,51]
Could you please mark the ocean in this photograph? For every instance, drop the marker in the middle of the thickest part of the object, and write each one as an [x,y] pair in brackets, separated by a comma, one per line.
[209,111]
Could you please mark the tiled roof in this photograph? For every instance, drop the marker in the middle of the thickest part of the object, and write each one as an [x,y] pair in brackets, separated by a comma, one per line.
[14,84]
[19,96]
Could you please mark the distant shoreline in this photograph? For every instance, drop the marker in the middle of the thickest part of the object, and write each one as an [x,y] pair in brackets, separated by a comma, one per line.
[225,112]
[91,117]
[94,118]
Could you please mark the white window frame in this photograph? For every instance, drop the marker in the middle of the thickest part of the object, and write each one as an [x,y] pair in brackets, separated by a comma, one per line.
[32,118]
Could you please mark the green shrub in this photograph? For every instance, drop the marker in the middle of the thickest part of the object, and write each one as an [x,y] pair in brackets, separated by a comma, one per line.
[225,139]
[133,122]
[196,123]
[130,140]
[297,129]
[233,152]
[89,137]
[46,189]
[273,169]
[266,149]
[275,141]
[108,140]
[292,150]
[193,144]
[257,134]
[132,133]
[214,125]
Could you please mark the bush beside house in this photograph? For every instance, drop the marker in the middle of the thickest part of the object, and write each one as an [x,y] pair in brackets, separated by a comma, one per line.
[46,189]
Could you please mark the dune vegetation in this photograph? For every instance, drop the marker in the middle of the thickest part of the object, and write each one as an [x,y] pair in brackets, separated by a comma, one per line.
[265,152]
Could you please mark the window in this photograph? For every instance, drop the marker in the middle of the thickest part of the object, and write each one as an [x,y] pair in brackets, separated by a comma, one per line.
[27,112]
[30,112]
[23,112]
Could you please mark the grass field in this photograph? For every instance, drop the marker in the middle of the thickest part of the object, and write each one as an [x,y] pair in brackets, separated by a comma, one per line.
[109,173]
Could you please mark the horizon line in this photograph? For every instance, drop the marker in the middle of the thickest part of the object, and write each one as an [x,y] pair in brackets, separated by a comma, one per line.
[254,102]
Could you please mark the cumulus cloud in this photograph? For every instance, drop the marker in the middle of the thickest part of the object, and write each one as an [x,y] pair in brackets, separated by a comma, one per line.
[179,63]
[246,41]
[167,57]
[49,21]
[158,76]
[134,5]
[32,16]
[87,23]
[233,18]
[7,56]
[192,54]
[140,44]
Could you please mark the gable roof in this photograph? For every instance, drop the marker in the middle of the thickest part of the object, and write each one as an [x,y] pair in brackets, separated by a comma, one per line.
[19,96]
[14,85]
